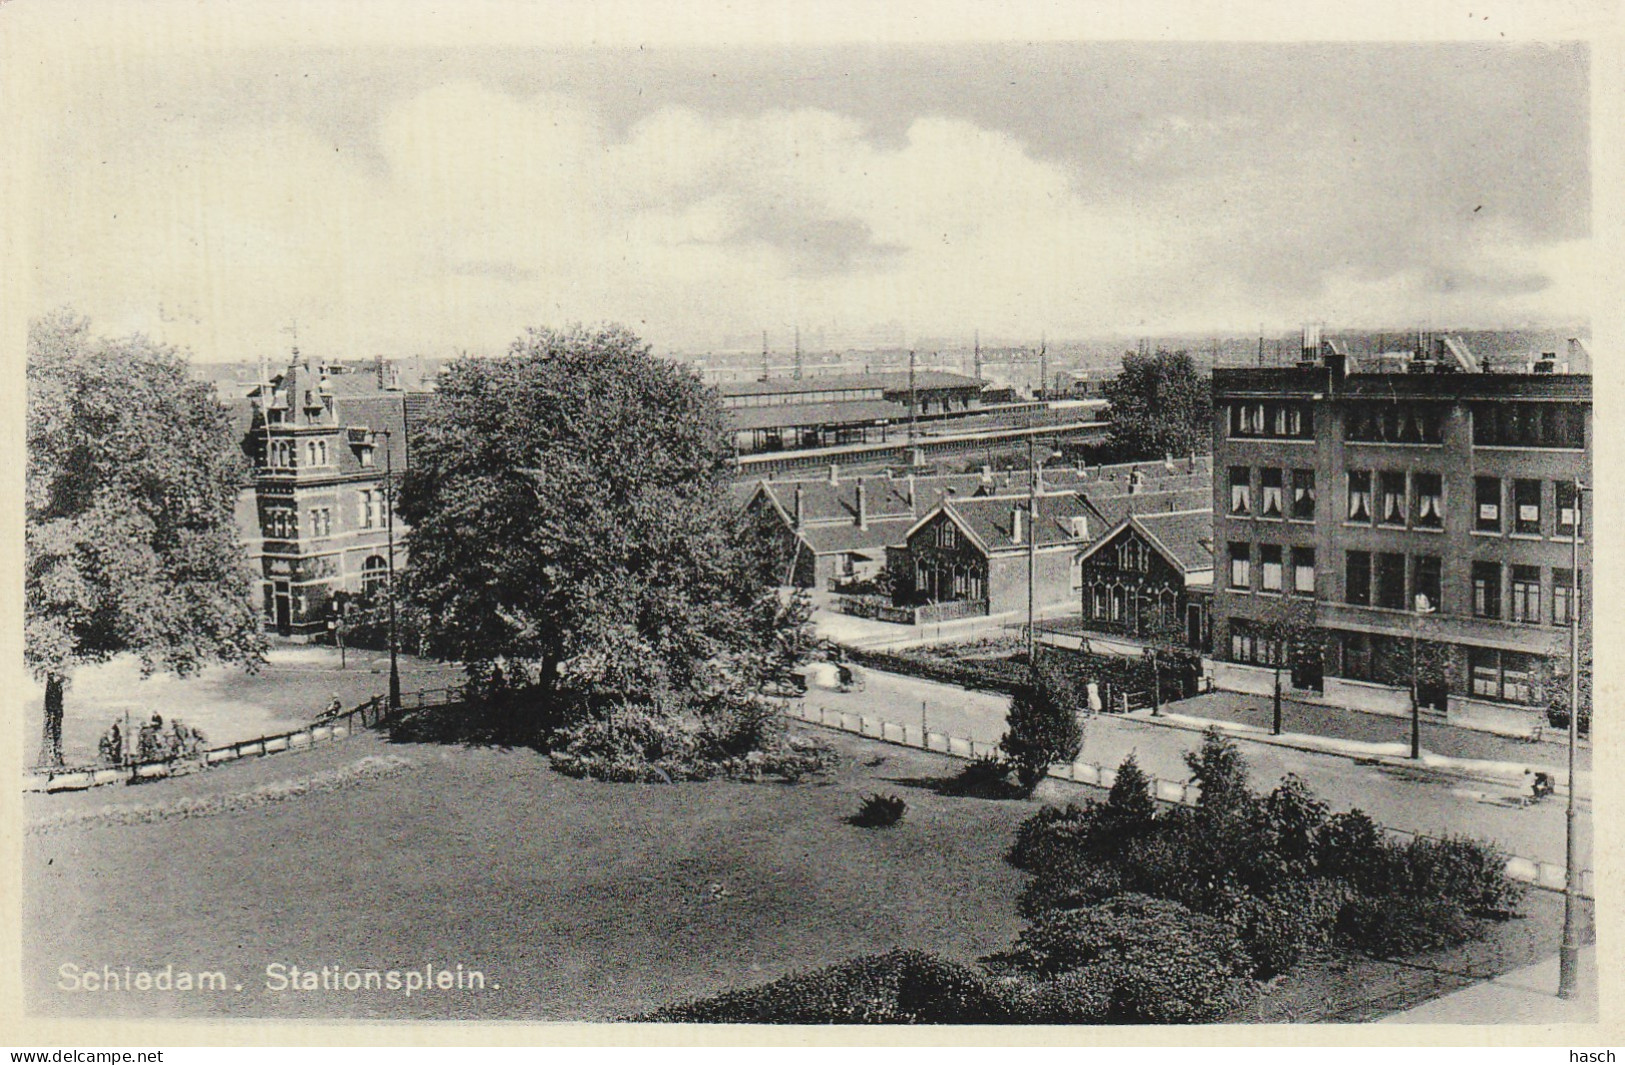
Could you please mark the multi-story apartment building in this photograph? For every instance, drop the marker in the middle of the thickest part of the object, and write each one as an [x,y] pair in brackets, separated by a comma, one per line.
[315,517]
[1364,511]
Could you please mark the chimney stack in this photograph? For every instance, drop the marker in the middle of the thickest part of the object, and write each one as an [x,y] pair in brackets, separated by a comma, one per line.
[987,474]
[799,511]
[834,473]
[1017,516]
[863,507]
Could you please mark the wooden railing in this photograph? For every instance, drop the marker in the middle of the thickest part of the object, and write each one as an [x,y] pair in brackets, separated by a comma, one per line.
[370,714]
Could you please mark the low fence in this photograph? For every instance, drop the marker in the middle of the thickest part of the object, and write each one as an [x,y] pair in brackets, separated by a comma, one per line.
[1549,876]
[863,607]
[369,714]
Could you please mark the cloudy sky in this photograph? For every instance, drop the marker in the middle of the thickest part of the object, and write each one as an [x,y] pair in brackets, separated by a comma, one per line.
[436,199]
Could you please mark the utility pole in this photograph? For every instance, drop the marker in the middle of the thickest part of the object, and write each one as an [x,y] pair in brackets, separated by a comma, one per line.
[1032,550]
[1043,365]
[389,525]
[1423,607]
[764,355]
[978,354]
[913,407]
[798,353]
[1568,957]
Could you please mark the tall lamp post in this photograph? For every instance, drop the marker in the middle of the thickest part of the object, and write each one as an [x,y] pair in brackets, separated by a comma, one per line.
[389,525]
[1568,956]
[1423,608]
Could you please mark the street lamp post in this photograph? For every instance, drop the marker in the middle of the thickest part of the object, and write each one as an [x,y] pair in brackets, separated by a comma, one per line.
[1423,607]
[1568,956]
[389,525]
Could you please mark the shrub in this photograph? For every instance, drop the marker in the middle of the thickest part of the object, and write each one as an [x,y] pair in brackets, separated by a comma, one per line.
[987,777]
[1294,922]
[1072,881]
[903,987]
[1468,872]
[1295,819]
[1352,846]
[1393,925]
[1052,831]
[1043,729]
[1130,808]
[643,745]
[1082,996]
[1165,964]
[880,811]
[1220,771]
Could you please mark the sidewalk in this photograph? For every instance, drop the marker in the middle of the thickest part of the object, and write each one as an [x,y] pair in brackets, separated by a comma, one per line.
[1523,996]
[1337,723]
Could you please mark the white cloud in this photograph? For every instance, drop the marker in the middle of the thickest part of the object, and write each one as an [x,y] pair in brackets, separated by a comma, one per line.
[484,212]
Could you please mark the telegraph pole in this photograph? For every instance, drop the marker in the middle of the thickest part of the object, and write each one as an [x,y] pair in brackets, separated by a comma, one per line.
[1568,957]
[389,525]
[798,353]
[1032,549]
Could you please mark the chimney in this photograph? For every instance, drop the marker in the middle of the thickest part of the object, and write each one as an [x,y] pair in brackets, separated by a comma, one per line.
[1017,515]
[798,508]
[987,474]
[1338,366]
[863,508]
[834,473]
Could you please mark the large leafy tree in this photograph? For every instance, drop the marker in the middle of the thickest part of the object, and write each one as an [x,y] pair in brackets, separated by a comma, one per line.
[569,519]
[1160,405]
[131,543]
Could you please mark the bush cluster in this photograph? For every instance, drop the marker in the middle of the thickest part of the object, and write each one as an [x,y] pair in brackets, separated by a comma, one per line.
[742,739]
[903,987]
[880,811]
[1281,874]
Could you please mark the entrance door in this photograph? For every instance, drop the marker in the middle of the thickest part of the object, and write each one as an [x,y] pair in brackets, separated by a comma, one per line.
[1309,672]
[284,609]
[1193,627]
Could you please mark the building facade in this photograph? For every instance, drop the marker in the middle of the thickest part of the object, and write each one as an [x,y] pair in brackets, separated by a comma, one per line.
[1150,578]
[1384,516]
[315,518]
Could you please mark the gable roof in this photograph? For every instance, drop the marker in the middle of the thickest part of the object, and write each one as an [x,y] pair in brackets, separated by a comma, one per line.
[1115,507]
[989,519]
[1184,539]
[924,380]
[839,539]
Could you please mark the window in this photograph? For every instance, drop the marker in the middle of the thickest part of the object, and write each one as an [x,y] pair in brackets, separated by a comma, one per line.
[1500,674]
[1241,566]
[1526,507]
[1526,594]
[321,452]
[1360,495]
[321,521]
[1243,645]
[281,524]
[1303,570]
[947,534]
[1563,493]
[1295,421]
[1487,497]
[1303,494]
[1241,490]
[1357,656]
[364,454]
[1562,596]
[1486,589]
[374,575]
[1429,512]
[1425,581]
[1394,423]
[1119,599]
[1099,603]
[1506,424]
[1269,563]
[1357,578]
[1391,581]
[1269,491]
[1392,497]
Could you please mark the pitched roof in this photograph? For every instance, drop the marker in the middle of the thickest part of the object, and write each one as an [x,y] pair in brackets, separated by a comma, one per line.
[883,496]
[839,539]
[924,380]
[791,414]
[990,519]
[1116,506]
[1184,537]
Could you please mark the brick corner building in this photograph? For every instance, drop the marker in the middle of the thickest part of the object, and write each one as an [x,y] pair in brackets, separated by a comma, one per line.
[1390,511]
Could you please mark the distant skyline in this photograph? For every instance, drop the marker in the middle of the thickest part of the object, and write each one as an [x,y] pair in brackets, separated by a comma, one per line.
[431,201]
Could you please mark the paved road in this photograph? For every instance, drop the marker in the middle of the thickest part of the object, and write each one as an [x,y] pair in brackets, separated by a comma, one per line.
[1419,801]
